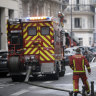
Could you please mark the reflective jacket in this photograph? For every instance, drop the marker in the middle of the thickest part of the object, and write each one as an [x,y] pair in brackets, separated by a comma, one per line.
[78,63]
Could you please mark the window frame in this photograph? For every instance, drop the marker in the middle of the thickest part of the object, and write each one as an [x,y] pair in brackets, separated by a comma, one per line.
[32,27]
[77,22]
[45,34]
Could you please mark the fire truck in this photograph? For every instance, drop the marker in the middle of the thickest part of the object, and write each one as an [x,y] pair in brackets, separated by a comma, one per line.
[35,42]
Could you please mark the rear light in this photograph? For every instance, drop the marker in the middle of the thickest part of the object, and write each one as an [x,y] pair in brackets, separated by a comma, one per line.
[8,42]
[52,41]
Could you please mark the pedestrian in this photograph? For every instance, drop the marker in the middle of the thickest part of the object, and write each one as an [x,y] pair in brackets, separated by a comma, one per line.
[78,63]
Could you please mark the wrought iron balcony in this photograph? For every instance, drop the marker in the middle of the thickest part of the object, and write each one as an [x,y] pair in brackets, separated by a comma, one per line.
[81,8]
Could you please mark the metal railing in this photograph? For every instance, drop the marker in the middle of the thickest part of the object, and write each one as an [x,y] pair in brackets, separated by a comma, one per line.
[81,8]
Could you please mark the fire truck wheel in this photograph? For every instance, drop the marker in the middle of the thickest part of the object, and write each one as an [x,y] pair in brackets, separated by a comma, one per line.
[14,68]
[61,74]
[14,64]
[18,78]
[56,76]
[35,75]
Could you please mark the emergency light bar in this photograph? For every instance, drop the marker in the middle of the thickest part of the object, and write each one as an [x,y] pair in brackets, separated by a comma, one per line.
[38,18]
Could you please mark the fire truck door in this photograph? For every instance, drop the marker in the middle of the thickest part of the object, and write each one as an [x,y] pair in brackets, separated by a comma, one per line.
[30,38]
[45,31]
[37,40]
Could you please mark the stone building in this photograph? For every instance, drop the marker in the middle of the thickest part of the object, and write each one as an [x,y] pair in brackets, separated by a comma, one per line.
[24,8]
[82,16]
[8,9]
[40,7]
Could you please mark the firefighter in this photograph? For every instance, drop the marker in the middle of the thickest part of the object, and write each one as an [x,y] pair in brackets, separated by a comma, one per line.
[78,63]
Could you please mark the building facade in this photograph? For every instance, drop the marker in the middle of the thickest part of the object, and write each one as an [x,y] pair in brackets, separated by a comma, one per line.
[23,8]
[8,9]
[81,14]
[40,7]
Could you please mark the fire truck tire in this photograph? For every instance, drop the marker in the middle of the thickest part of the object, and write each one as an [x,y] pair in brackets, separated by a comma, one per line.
[56,75]
[18,78]
[61,74]
[35,75]
[14,64]
[14,69]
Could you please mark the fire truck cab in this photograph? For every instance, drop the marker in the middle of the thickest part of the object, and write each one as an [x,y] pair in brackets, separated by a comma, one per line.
[35,42]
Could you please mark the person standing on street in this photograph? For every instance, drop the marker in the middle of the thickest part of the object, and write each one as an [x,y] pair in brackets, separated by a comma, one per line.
[78,63]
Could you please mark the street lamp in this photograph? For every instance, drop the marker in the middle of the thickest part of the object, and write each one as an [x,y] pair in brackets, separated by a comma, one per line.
[71,26]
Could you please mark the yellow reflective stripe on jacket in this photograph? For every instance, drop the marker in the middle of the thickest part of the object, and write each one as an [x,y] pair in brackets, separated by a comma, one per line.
[82,66]
[74,65]
[88,67]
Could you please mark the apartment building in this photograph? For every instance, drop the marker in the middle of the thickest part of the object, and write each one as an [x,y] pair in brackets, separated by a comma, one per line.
[81,14]
[40,7]
[8,9]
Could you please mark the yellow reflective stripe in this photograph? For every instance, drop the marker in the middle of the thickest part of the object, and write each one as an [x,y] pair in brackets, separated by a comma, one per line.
[73,84]
[79,71]
[27,27]
[27,51]
[47,24]
[45,39]
[88,86]
[88,67]
[11,26]
[45,45]
[51,33]
[52,51]
[49,54]
[37,52]
[49,37]
[32,52]
[28,43]
[74,65]
[44,55]
[41,24]
[75,90]
[34,24]
[83,64]
[25,35]
[17,26]
[41,58]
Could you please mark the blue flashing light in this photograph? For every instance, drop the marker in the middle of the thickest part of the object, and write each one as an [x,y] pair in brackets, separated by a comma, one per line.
[38,18]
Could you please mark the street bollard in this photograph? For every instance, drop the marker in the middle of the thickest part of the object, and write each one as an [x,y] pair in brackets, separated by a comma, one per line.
[83,90]
[71,93]
[92,88]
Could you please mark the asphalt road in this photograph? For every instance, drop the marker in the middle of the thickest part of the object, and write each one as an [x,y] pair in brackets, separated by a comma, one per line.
[9,88]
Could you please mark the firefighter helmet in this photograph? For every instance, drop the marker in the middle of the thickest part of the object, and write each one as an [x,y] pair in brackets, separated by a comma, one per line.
[78,50]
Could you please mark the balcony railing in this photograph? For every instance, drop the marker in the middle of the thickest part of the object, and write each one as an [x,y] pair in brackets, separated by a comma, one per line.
[81,8]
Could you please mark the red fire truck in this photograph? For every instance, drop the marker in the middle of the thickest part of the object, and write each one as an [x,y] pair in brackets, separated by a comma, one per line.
[35,42]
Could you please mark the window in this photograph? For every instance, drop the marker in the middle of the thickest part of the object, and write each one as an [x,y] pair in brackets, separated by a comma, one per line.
[11,13]
[77,22]
[45,30]
[81,41]
[77,2]
[90,40]
[32,31]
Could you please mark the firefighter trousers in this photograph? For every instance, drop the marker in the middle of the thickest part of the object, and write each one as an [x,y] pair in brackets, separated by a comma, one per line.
[76,82]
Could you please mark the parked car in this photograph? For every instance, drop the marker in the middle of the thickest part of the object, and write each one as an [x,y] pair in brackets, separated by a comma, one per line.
[3,63]
[69,52]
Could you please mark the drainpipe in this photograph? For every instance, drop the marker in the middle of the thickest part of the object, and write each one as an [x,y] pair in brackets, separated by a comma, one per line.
[0,29]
